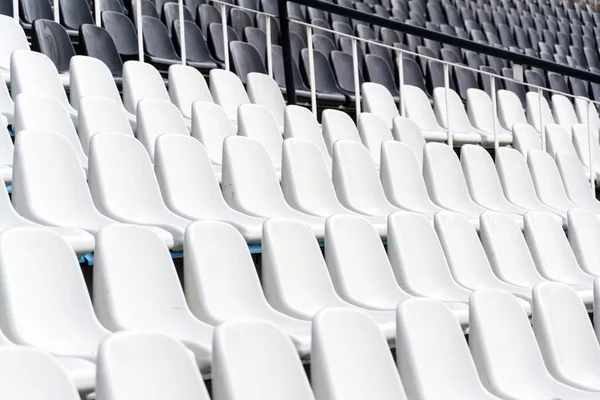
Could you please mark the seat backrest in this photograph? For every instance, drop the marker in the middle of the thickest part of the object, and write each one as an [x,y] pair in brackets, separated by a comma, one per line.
[249,181]
[227,91]
[502,343]
[117,188]
[546,179]
[73,14]
[245,59]
[149,372]
[507,250]
[33,9]
[196,47]
[50,38]
[355,178]
[33,72]
[96,42]
[133,271]
[427,327]
[533,111]
[361,273]
[510,109]
[100,114]
[377,99]
[418,108]
[584,231]
[563,331]
[263,90]
[141,81]
[337,125]
[575,180]
[186,86]
[61,312]
[31,373]
[12,38]
[49,186]
[122,32]
[558,139]
[459,120]
[44,113]
[350,358]
[377,70]
[582,108]
[91,77]
[525,138]
[211,125]
[220,279]
[263,345]
[156,39]
[256,122]
[215,39]
[406,131]
[305,179]
[155,117]
[293,273]
[301,123]
[373,132]
[581,142]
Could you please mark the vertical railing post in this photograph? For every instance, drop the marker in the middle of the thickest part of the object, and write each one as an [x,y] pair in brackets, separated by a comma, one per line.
[494,108]
[225,38]
[139,27]
[311,70]
[589,128]
[16,10]
[56,11]
[541,119]
[401,104]
[356,76]
[269,53]
[97,12]
[182,50]
[446,89]
[284,27]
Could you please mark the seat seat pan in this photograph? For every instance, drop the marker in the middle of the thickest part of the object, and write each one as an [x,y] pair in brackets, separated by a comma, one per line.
[435,136]
[81,241]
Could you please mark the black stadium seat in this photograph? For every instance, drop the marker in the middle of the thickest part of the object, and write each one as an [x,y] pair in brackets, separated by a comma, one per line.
[96,42]
[378,71]
[52,39]
[258,39]
[196,49]
[343,68]
[215,40]
[325,85]
[171,14]
[122,32]
[157,44]
[245,59]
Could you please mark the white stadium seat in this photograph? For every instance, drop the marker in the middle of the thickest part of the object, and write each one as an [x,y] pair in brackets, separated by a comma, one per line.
[12,38]
[533,112]
[525,138]
[258,123]
[301,123]
[460,127]
[337,125]
[228,92]
[481,114]
[373,132]
[264,91]
[377,99]
[419,110]
[187,86]
[584,232]
[406,131]
[510,109]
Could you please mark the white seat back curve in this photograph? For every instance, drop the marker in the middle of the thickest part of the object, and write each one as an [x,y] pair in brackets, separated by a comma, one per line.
[525,138]
[355,180]
[433,357]
[577,186]
[510,109]
[505,351]
[351,359]
[406,131]
[124,187]
[255,360]
[49,187]
[264,91]
[401,179]
[186,86]
[258,123]
[100,114]
[584,233]
[141,81]
[581,142]
[582,107]
[134,272]
[507,250]
[460,126]
[27,373]
[466,258]
[227,91]
[377,99]
[419,110]
[13,39]
[551,251]
[44,113]
[156,117]
[373,132]
[305,180]
[564,112]
[157,367]
[91,77]
[482,180]
[301,123]
[7,106]
[481,114]
[547,181]
[362,275]
[59,318]
[210,125]
[566,338]
[558,139]
[338,125]
[533,111]
[418,261]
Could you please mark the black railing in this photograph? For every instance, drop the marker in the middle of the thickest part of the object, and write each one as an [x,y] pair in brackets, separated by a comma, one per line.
[514,57]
